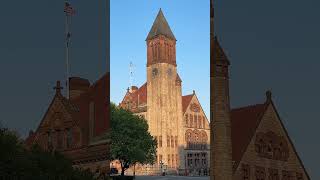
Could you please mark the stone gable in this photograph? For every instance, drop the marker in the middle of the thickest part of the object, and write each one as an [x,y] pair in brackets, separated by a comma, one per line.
[276,156]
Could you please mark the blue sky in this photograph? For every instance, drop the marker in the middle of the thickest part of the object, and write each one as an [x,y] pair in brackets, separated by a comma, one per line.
[130,22]
[32,55]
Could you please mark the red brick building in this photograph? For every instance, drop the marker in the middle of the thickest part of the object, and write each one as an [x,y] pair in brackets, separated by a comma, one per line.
[77,126]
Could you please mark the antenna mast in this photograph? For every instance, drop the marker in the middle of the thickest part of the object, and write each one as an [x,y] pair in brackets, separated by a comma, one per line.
[131,70]
[69,12]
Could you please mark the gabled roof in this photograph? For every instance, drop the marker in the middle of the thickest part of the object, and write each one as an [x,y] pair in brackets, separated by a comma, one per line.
[186,101]
[160,27]
[244,122]
[140,95]
[77,108]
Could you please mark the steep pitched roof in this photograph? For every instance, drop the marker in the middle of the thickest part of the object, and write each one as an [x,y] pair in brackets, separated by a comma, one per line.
[186,101]
[244,122]
[140,94]
[160,26]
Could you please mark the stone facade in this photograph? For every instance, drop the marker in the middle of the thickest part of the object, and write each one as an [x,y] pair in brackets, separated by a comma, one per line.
[76,126]
[177,122]
[270,157]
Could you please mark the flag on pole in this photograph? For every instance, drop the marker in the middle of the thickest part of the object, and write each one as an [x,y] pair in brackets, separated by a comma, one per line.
[68,9]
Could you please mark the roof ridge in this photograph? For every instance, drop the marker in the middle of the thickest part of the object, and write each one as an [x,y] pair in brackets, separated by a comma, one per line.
[245,107]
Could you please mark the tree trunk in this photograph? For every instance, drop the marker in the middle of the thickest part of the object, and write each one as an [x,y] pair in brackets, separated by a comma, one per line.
[134,170]
[122,169]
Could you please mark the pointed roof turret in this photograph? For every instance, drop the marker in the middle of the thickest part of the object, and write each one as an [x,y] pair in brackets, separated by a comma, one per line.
[160,26]
[219,53]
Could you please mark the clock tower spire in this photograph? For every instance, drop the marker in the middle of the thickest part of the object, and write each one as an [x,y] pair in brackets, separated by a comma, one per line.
[164,109]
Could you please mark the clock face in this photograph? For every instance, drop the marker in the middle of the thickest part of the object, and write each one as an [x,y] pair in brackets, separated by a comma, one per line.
[155,72]
[169,72]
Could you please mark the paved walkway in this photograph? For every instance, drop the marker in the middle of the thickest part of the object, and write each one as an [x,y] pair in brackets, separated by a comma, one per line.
[172,177]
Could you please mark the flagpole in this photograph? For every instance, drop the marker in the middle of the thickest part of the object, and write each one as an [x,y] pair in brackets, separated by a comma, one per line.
[67,41]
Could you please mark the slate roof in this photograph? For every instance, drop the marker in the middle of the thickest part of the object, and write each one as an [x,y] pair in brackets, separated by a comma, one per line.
[244,122]
[186,101]
[160,26]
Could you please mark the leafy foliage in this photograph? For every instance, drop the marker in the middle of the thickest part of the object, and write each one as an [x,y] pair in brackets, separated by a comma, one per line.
[16,162]
[131,142]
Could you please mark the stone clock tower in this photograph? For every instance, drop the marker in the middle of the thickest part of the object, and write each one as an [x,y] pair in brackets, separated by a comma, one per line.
[164,110]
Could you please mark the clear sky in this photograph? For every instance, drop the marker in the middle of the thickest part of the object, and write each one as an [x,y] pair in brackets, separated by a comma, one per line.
[275,45]
[190,23]
[32,55]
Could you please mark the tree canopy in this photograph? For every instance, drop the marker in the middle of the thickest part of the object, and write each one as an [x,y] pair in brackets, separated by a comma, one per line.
[16,162]
[131,141]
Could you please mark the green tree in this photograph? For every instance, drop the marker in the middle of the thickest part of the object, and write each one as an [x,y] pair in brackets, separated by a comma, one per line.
[16,162]
[131,141]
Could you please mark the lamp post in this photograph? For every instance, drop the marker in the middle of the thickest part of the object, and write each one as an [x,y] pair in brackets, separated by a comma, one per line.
[161,168]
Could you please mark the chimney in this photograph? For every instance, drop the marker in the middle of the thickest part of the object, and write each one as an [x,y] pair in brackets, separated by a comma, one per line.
[77,86]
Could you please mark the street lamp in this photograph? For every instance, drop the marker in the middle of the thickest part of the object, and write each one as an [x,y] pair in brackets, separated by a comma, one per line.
[161,167]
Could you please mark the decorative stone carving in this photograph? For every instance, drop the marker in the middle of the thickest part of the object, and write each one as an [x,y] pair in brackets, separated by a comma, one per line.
[194,107]
[271,146]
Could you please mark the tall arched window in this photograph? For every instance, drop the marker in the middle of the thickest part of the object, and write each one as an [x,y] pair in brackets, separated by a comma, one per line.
[69,138]
[188,137]
[160,141]
[186,120]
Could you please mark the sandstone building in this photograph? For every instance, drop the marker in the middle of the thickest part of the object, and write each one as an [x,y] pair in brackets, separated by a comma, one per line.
[76,126]
[248,142]
[177,121]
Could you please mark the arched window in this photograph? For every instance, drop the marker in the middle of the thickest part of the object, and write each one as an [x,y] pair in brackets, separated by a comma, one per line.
[160,141]
[204,122]
[172,141]
[188,137]
[186,120]
[191,120]
[195,121]
[59,139]
[69,138]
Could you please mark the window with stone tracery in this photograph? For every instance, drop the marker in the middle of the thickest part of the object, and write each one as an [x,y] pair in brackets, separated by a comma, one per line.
[273,174]
[188,137]
[260,173]
[186,120]
[245,171]
[271,146]
[176,141]
[168,141]
[172,158]
[172,141]
[195,121]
